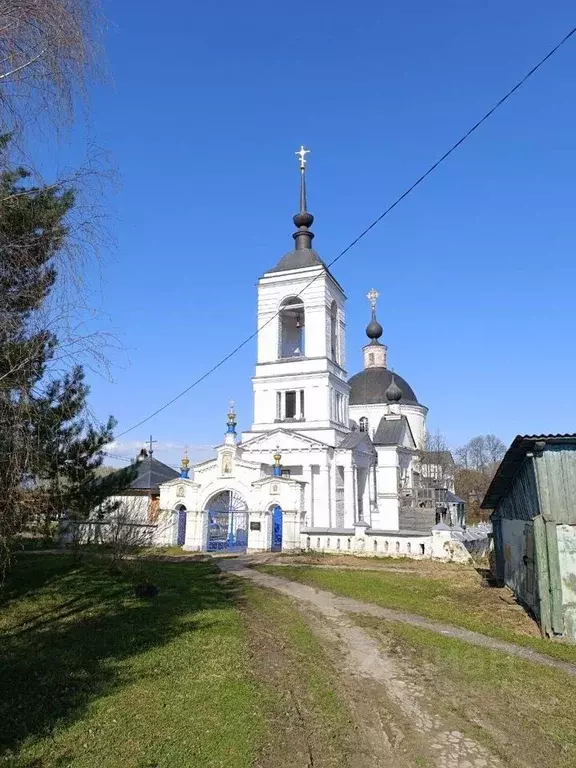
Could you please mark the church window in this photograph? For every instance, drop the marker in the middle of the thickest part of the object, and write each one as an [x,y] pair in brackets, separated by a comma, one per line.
[291,328]
[397,546]
[363,424]
[307,542]
[301,403]
[278,405]
[317,543]
[339,408]
[375,545]
[386,546]
[422,549]
[290,406]
[409,548]
[349,544]
[286,473]
[334,332]
[337,543]
[328,543]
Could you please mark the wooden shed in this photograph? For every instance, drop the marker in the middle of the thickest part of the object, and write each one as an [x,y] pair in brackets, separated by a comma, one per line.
[533,495]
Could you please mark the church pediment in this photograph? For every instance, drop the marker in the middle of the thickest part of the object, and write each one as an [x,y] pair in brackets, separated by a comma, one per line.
[183,481]
[287,440]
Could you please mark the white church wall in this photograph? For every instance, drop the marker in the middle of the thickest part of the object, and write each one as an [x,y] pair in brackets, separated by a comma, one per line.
[259,531]
[369,544]
[366,542]
[196,531]
[416,415]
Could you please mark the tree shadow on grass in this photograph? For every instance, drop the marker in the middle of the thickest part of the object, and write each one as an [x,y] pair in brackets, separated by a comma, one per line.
[66,628]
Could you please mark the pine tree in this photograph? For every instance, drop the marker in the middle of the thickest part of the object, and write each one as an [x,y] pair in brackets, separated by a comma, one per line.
[49,450]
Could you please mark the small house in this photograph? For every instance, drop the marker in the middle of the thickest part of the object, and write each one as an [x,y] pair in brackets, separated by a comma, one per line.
[533,498]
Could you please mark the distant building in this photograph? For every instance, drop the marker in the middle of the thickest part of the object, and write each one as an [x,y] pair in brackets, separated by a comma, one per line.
[534,522]
[142,497]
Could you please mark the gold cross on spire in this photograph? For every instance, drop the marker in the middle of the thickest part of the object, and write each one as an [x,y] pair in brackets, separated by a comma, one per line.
[372,297]
[302,155]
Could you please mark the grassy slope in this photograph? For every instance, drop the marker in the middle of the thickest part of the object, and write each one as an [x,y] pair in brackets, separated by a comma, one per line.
[452,595]
[92,676]
[520,710]
[209,673]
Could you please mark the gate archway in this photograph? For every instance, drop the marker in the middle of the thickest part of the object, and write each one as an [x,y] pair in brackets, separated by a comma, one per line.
[227,522]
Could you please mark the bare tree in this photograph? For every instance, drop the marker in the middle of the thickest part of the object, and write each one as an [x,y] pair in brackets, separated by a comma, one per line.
[495,448]
[49,50]
[436,461]
[129,530]
[477,462]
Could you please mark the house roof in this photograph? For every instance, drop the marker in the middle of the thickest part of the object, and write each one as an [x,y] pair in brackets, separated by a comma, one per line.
[391,431]
[151,473]
[354,439]
[513,460]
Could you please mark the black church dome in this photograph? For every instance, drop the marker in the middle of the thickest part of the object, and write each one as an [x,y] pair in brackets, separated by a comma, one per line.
[370,385]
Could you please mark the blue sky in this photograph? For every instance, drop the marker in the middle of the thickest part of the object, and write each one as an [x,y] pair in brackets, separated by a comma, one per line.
[476,269]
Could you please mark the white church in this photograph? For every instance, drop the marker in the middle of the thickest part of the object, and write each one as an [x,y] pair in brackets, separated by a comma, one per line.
[330,463]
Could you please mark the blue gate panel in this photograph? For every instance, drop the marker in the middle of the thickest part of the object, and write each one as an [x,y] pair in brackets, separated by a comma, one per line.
[277,528]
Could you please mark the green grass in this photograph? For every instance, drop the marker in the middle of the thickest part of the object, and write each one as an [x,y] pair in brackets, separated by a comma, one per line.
[520,710]
[93,676]
[308,716]
[452,595]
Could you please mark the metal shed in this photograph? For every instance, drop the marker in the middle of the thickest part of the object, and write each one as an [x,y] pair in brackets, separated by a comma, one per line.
[533,495]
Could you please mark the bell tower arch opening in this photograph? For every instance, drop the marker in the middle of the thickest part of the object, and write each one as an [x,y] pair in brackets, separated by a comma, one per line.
[291,321]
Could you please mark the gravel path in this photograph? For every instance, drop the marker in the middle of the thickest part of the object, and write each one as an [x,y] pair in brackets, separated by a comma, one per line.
[349,605]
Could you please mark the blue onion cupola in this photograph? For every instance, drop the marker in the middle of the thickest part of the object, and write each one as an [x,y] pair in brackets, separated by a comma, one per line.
[231,425]
[185,465]
[277,468]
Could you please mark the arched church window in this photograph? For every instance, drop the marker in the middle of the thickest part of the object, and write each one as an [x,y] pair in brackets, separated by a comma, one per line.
[363,424]
[292,322]
[334,332]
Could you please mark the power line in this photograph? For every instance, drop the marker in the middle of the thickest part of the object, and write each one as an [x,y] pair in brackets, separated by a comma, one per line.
[354,242]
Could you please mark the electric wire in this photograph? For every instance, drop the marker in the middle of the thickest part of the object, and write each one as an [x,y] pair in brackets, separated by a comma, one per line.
[363,234]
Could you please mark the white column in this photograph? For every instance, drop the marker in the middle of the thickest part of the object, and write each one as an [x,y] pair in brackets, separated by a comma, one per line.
[366,495]
[333,493]
[355,486]
[349,506]
[308,495]
[322,516]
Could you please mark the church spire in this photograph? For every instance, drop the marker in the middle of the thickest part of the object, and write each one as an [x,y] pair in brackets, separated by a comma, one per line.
[374,351]
[303,220]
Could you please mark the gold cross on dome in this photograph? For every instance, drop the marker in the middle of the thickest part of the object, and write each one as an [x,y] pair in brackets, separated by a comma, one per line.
[302,155]
[372,297]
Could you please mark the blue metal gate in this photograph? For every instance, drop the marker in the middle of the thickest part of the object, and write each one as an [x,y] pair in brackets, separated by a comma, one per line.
[181,537]
[227,523]
[277,529]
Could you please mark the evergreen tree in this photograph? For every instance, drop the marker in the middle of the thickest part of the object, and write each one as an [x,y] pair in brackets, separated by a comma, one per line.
[49,452]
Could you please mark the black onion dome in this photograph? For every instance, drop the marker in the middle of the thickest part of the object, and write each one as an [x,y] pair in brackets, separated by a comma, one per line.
[374,330]
[370,386]
[393,393]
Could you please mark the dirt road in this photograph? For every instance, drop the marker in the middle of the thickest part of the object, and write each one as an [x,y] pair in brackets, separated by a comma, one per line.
[395,724]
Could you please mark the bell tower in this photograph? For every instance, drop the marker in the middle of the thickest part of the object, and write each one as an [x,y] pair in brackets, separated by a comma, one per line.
[300,378]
